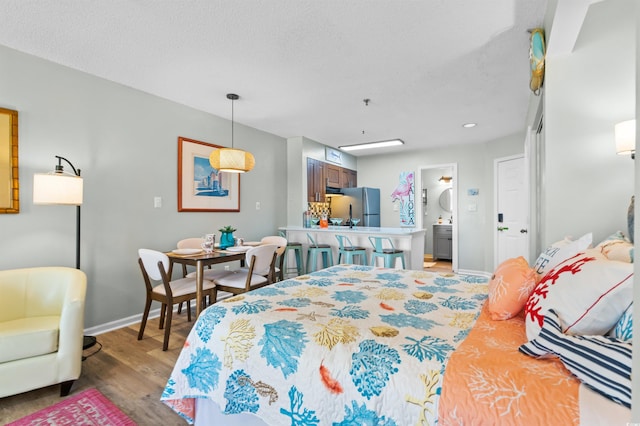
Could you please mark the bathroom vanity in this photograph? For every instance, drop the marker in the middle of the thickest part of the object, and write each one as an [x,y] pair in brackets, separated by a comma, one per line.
[442,242]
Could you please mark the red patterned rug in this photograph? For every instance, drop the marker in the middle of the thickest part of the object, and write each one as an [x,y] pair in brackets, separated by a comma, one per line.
[89,407]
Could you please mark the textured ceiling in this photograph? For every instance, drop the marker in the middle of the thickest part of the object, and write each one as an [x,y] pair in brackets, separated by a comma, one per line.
[301,67]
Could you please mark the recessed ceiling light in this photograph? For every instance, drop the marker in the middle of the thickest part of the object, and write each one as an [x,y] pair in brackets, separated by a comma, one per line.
[369,145]
[469,125]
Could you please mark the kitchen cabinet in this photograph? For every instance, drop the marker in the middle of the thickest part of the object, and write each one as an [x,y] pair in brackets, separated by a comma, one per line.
[334,175]
[349,178]
[442,242]
[321,174]
[316,183]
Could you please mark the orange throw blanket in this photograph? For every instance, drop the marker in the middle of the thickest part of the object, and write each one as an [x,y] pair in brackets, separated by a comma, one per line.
[487,381]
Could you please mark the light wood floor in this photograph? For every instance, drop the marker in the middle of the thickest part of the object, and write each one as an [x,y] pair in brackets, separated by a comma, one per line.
[131,373]
[440,266]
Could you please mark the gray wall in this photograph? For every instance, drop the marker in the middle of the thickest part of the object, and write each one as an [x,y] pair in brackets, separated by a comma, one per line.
[125,143]
[475,170]
[588,187]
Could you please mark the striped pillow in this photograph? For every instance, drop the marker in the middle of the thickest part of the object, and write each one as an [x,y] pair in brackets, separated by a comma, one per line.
[602,363]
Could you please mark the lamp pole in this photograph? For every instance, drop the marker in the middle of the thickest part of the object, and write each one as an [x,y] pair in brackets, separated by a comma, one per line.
[87,341]
[77,173]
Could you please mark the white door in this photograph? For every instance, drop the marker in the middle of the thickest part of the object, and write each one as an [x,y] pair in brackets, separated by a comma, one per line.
[512,209]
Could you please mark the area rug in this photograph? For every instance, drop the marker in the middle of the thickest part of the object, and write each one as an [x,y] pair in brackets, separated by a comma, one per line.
[89,407]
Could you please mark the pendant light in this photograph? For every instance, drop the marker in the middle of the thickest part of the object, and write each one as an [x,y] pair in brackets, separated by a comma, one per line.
[230,159]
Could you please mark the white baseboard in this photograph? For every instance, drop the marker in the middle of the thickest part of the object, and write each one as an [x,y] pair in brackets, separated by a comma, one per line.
[472,272]
[135,319]
[121,323]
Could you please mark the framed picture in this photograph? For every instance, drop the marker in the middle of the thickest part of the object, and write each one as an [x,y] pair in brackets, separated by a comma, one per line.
[333,155]
[201,188]
[9,185]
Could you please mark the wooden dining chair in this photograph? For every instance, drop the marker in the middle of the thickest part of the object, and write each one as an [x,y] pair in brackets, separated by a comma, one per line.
[159,287]
[281,243]
[258,274]
[189,243]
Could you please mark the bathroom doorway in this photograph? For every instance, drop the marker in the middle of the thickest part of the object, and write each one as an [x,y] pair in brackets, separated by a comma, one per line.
[437,196]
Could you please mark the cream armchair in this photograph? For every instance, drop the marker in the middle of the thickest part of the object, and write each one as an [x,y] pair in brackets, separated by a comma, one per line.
[41,328]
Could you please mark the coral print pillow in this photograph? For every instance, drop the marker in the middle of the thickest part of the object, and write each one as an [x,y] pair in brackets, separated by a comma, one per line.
[623,329]
[588,291]
[617,247]
[509,288]
[559,251]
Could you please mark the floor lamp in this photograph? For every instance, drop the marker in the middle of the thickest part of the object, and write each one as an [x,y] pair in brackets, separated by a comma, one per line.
[61,188]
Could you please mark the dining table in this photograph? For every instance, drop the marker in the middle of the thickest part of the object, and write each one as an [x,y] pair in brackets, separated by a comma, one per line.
[200,260]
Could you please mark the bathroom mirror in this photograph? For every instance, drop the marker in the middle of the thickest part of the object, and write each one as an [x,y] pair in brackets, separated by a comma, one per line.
[9,199]
[446,201]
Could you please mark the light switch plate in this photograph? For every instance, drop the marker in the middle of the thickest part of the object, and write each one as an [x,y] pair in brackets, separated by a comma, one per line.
[157,202]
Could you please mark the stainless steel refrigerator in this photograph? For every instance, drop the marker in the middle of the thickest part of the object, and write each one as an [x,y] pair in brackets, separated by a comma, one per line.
[364,204]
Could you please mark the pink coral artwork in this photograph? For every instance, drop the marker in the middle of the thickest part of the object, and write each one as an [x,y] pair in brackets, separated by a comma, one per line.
[405,194]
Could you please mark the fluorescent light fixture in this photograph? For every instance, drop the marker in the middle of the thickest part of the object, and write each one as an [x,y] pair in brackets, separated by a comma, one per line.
[370,145]
[469,125]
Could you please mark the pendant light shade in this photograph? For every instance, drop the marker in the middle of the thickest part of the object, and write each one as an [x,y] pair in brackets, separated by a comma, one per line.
[232,160]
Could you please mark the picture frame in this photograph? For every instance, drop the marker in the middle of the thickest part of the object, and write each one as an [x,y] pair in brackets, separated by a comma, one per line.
[333,155]
[9,177]
[201,188]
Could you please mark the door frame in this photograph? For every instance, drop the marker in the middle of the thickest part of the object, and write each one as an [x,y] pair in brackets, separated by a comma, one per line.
[494,221]
[454,213]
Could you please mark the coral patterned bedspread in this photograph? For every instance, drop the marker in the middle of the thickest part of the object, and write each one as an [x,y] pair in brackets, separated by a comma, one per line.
[489,382]
[345,345]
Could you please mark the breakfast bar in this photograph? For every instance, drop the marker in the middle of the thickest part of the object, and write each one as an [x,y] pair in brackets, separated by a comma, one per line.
[410,240]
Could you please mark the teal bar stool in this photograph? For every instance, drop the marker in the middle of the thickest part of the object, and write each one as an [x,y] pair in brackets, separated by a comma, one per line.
[312,254]
[383,247]
[297,251]
[350,251]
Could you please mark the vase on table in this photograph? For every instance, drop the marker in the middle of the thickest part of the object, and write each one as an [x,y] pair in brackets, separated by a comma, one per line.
[226,240]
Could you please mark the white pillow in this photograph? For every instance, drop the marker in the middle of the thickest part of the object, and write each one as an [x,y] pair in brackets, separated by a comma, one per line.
[559,251]
[588,291]
[617,247]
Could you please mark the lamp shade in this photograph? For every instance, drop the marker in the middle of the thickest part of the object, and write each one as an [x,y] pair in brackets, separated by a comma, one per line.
[231,160]
[626,137]
[57,188]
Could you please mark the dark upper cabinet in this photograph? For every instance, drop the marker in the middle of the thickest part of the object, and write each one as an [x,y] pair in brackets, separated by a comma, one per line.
[321,174]
[334,175]
[349,178]
[316,183]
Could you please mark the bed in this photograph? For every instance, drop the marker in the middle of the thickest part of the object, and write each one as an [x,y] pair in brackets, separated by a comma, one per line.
[343,344]
[354,345]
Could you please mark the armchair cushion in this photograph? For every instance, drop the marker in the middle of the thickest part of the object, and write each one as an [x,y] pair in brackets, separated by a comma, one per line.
[28,337]
[41,328]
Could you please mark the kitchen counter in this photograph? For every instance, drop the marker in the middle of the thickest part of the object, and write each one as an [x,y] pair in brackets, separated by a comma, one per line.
[411,240]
